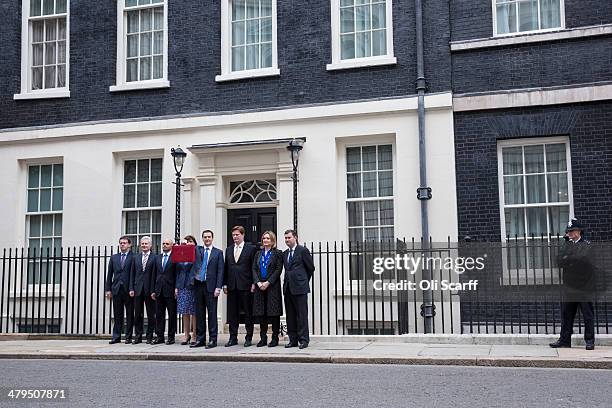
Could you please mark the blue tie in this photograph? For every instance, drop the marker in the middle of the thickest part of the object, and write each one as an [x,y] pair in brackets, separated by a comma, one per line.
[165,261]
[204,265]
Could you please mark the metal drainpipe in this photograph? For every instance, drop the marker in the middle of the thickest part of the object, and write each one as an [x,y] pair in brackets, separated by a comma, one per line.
[423,192]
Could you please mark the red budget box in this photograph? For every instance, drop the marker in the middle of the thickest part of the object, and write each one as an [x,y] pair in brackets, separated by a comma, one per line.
[183,253]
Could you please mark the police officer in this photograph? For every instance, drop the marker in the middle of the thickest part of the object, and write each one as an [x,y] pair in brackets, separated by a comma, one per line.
[578,285]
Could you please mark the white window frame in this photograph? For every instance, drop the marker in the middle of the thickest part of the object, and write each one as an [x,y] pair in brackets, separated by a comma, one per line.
[338,63]
[561,27]
[26,57]
[226,48]
[527,275]
[120,82]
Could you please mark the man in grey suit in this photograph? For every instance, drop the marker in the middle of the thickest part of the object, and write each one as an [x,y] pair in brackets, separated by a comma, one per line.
[118,288]
[299,268]
[207,278]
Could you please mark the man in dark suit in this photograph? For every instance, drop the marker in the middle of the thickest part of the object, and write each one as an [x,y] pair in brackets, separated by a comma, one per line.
[207,278]
[144,285]
[118,288]
[165,283]
[299,268]
[238,285]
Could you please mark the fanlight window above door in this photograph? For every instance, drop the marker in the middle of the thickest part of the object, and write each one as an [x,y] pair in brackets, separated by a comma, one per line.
[252,191]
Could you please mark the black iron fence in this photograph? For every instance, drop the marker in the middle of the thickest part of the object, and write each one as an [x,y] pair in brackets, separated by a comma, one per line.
[364,288]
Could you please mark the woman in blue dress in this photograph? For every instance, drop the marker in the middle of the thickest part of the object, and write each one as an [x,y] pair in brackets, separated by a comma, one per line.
[185,298]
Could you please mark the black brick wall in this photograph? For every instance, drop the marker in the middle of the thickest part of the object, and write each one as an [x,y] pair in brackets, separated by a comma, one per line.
[590,131]
[194,60]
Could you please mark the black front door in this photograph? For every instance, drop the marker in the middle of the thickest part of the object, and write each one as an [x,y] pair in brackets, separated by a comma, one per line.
[254,220]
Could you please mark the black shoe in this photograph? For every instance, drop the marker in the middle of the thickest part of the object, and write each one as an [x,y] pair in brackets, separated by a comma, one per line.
[114,341]
[560,344]
[590,346]
[187,341]
[274,342]
[137,340]
[248,343]
[170,341]
[263,342]
[289,345]
[231,342]
[211,344]
[198,344]
[128,340]
[303,346]
[158,340]
[149,340]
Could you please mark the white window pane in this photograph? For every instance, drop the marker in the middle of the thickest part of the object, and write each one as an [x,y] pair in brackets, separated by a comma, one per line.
[346,3]
[362,18]
[371,234]
[385,157]
[143,170]
[50,30]
[252,8]
[369,157]
[355,214]
[50,77]
[132,21]
[379,16]
[238,33]
[61,76]
[58,175]
[534,159]
[266,29]
[513,190]
[358,2]
[46,172]
[355,235]
[58,199]
[363,45]
[60,6]
[266,8]
[535,189]
[156,194]
[132,70]
[385,183]
[38,30]
[536,222]
[252,56]
[45,247]
[34,226]
[353,184]
[37,78]
[158,23]
[32,200]
[61,29]
[131,222]
[555,157]
[266,55]
[156,169]
[130,3]
[132,45]
[237,58]
[61,52]
[58,225]
[386,212]
[347,22]
[528,15]
[557,188]
[550,13]
[145,68]
[370,213]
[369,185]
[142,195]
[386,234]
[347,46]
[129,196]
[558,217]
[50,54]
[145,44]
[33,176]
[238,9]
[143,2]
[45,199]
[158,42]
[252,31]
[512,160]
[379,42]
[35,7]
[158,67]
[47,225]
[144,222]
[156,221]
[48,7]
[129,171]
[37,54]
[506,18]
[353,159]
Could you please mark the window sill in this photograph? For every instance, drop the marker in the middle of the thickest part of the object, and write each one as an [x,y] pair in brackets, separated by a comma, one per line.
[255,73]
[53,94]
[137,86]
[362,62]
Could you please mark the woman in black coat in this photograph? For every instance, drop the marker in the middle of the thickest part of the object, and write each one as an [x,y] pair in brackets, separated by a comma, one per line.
[268,298]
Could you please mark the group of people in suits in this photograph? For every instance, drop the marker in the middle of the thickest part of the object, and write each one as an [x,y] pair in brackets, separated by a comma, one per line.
[250,277]
[138,281]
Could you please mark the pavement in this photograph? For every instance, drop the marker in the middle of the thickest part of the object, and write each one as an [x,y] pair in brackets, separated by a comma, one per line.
[462,350]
